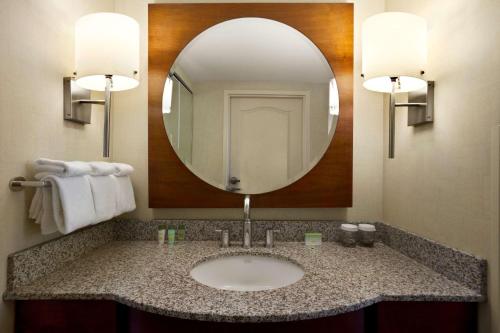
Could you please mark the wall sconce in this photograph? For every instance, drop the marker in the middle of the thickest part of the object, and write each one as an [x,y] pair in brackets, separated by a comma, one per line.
[106,59]
[394,57]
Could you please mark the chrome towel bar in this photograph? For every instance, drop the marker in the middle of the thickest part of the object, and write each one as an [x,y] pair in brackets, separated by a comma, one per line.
[19,183]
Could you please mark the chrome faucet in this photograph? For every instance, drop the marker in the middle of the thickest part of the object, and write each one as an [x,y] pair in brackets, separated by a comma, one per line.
[247,223]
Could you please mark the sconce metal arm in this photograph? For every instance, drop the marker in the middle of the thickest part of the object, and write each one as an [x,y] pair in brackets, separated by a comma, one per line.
[77,106]
[90,101]
[392,120]
[420,110]
[107,116]
[410,104]
[392,124]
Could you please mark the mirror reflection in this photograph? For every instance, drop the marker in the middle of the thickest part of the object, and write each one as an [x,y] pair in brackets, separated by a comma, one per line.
[250,105]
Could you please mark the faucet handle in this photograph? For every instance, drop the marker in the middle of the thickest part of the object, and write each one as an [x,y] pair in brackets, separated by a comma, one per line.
[270,237]
[224,237]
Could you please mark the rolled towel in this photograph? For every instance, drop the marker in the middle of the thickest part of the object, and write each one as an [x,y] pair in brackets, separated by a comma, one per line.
[71,202]
[42,175]
[62,168]
[123,169]
[49,169]
[102,168]
[104,191]
[125,201]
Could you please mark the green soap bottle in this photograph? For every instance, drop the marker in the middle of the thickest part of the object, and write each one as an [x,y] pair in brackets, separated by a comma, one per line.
[181,232]
[171,235]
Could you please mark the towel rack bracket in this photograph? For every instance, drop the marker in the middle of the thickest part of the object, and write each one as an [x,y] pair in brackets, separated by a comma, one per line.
[17,184]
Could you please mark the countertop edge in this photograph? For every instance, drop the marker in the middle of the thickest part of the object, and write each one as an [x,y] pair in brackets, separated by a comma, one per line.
[214,317]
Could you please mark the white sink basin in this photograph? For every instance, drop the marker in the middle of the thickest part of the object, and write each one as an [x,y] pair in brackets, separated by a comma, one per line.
[247,273]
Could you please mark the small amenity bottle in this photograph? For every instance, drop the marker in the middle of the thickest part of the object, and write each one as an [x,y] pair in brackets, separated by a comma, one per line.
[366,234]
[313,239]
[181,232]
[348,234]
[161,234]
[171,235]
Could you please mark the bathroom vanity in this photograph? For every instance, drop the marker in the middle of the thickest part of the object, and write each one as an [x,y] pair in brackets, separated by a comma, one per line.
[125,284]
[108,316]
[232,115]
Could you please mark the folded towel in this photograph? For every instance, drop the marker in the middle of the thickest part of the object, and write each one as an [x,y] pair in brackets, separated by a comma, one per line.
[46,218]
[125,201]
[102,168]
[36,205]
[104,191]
[42,175]
[62,168]
[80,194]
[39,214]
[47,168]
[123,169]
[72,203]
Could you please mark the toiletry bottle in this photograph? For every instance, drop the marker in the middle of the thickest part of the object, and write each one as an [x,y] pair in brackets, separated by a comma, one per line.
[181,232]
[367,234]
[161,234]
[171,235]
[313,239]
[348,234]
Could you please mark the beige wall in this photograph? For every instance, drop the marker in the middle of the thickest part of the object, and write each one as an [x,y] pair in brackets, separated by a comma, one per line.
[130,112]
[36,52]
[440,183]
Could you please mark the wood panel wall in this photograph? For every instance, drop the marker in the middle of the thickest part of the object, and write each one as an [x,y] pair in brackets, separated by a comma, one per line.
[173,26]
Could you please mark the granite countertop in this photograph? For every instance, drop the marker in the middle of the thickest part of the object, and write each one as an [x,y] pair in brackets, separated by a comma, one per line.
[156,278]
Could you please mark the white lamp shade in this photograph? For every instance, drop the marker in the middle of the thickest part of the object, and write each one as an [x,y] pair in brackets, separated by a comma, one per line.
[107,44]
[394,44]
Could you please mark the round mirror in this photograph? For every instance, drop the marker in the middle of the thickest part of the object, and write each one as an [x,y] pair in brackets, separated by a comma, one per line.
[250,105]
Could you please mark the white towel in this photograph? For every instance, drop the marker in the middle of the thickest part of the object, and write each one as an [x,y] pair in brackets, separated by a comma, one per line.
[80,194]
[125,195]
[47,168]
[46,218]
[38,211]
[102,168]
[123,169]
[62,168]
[104,192]
[43,174]
[72,203]
[36,205]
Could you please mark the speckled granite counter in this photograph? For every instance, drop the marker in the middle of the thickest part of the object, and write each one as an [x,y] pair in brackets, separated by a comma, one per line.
[148,277]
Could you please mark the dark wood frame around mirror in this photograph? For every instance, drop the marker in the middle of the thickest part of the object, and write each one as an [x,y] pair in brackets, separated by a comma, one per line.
[172,27]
